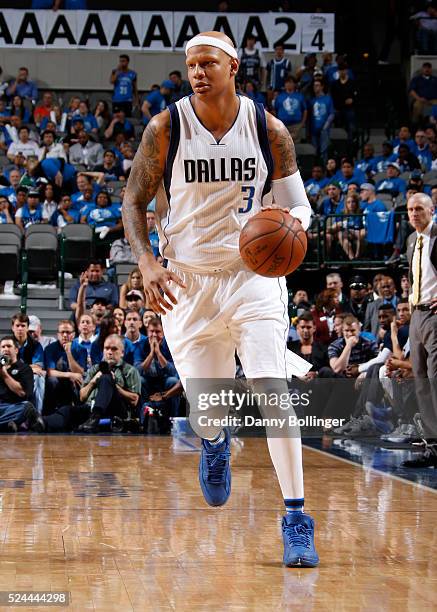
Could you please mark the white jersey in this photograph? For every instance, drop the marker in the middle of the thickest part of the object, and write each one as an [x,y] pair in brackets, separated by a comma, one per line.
[210,189]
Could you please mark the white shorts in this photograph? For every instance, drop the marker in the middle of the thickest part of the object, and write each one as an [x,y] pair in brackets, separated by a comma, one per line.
[220,313]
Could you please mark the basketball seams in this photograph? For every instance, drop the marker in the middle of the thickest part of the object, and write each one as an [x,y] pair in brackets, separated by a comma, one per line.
[276,248]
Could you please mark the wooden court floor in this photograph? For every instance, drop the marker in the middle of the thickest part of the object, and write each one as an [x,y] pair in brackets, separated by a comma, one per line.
[120,523]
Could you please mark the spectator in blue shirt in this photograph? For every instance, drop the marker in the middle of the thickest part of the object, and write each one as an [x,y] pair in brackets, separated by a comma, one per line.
[317,179]
[153,234]
[6,214]
[156,101]
[380,162]
[332,72]
[22,86]
[65,364]
[251,91]
[392,184]
[65,214]
[322,115]
[404,137]
[133,323]
[422,151]
[368,199]
[406,161]
[333,203]
[103,216]
[17,109]
[350,227]
[111,167]
[31,213]
[96,287]
[31,352]
[423,91]
[89,121]
[109,326]
[364,164]
[348,175]
[290,107]
[278,70]
[125,86]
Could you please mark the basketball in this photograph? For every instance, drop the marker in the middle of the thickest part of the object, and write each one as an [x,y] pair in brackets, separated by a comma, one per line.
[273,243]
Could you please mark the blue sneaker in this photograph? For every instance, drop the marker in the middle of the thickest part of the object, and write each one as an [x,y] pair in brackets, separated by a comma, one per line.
[215,471]
[298,537]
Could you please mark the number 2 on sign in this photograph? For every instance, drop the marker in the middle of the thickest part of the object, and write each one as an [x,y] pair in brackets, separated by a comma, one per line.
[249,191]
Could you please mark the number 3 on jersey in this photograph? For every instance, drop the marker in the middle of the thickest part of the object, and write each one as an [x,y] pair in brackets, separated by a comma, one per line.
[248,192]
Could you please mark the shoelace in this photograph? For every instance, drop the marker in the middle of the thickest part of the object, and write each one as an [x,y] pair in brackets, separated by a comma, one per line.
[298,535]
[217,464]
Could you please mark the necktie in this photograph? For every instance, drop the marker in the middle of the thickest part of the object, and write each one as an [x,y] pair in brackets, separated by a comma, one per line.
[417,273]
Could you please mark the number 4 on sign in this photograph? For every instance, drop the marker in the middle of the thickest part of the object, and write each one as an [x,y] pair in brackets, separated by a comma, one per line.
[317,40]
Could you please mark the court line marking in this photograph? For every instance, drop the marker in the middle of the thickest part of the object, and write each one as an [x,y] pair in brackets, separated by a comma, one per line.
[372,469]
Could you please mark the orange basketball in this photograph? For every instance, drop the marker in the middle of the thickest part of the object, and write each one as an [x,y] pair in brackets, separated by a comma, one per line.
[273,243]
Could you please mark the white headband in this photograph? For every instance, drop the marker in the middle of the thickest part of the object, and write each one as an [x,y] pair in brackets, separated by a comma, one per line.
[212,42]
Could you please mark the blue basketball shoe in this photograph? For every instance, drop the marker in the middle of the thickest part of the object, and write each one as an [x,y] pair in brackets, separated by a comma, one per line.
[215,471]
[298,537]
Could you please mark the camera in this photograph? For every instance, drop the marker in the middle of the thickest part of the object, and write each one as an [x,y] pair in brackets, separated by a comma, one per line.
[104,367]
[4,360]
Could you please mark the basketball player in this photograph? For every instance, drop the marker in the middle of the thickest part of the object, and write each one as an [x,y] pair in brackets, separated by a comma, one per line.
[213,160]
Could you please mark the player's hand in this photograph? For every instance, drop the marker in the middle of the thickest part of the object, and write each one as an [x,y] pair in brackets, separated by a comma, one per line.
[156,280]
[275,207]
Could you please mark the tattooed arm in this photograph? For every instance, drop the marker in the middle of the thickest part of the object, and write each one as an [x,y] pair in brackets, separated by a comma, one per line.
[287,187]
[144,179]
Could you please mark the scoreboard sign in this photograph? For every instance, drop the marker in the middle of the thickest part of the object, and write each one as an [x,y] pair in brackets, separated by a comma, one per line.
[163,32]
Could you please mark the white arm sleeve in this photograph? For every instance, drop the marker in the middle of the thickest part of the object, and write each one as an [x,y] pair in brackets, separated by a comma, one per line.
[380,358]
[289,192]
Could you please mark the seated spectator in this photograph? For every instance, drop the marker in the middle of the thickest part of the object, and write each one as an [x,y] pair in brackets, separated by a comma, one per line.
[85,152]
[403,137]
[65,364]
[87,327]
[347,175]
[251,91]
[84,114]
[333,203]
[23,86]
[50,149]
[112,387]
[65,214]
[121,252]
[365,164]
[335,282]
[307,74]
[119,315]
[102,114]
[321,117]
[350,228]
[380,162]
[290,107]
[24,146]
[31,213]
[350,350]
[135,301]
[160,384]
[331,169]
[18,109]
[325,308]
[406,161]
[111,169]
[43,110]
[11,191]
[6,210]
[35,330]
[148,315]
[313,352]
[56,122]
[31,352]
[317,179]
[133,324]
[119,125]
[103,216]
[423,92]
[344,94]
[94,286]
[108,326]
[49,205]
[357,304]
[16,387]
[134,281]
[368,199]
[180,88]
[154,102]
[392,184]
[73,132]
[422,151]
[387,289]
[84,183]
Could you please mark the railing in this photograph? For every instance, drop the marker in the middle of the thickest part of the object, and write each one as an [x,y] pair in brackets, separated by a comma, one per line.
[23,282]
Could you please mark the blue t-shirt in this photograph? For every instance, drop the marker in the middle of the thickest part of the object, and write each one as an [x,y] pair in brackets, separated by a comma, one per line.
[3,218]
[328,207]
[96,352]
[289,107]
[123,86]
[141,349]
[332,74]
[394,186]
[403,333]
[75,214]
[9,192]
[321,108]
[380,227]
[29,217]
[375,206]
[55,357]
[397,141]
[278,70]
[380,163]
[364,165]
[86,344]
[157,103]
[37,355]
[424,156]
[154,242]
[312,183]
[89,121]
[357,177]
[98,217]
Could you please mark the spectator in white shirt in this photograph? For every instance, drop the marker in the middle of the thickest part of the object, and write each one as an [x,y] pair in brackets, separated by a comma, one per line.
[85,152]
[50,149]
[24,146]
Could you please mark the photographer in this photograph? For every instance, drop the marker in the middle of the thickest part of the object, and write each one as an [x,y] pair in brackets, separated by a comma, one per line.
[16,387]
[112,387]
[31,352]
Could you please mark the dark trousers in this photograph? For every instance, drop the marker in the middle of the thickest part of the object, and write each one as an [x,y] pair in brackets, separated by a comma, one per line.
[67,418]
[340,395]
[423,343]
[108,402]
[59,392]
